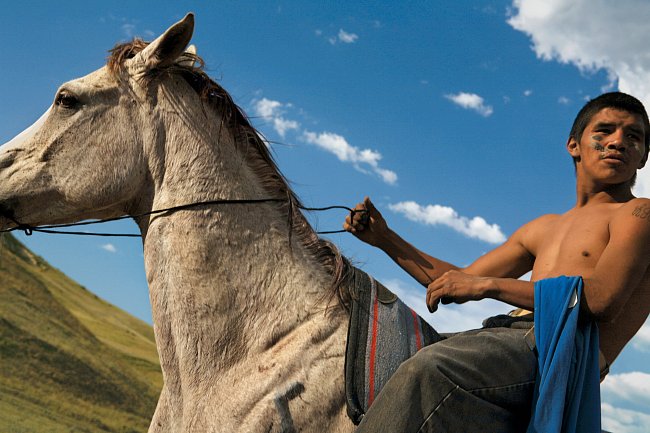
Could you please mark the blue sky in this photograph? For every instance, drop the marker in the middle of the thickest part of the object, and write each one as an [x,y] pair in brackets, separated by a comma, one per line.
[451,116]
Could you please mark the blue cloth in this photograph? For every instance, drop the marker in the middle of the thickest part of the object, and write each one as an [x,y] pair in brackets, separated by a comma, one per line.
[567,390]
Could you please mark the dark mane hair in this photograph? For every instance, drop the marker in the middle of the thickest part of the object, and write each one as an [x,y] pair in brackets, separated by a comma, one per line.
[618,100]
[260,160]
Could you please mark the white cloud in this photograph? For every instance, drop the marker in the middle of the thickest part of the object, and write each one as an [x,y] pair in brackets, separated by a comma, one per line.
[593,35]
[528,92]
[476,227]
[282,125]
[563,100]
[274,111]
[128,29]
[627,388]
[623,420]
[471,101]
[388,176]
[267,108]
[342,36]
[347,38]
[345,152]
[641,340]
[109,247]
[364,160]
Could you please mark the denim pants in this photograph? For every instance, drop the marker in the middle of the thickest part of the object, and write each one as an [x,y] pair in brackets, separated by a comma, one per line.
[474,381]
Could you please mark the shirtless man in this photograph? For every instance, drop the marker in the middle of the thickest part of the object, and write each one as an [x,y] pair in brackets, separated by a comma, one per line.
[605,239]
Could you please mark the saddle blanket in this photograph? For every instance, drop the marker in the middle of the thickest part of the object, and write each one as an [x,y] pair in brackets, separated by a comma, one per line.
[383,332]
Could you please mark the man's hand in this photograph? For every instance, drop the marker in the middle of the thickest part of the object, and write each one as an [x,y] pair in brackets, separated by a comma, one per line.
[456,287]
[366,223]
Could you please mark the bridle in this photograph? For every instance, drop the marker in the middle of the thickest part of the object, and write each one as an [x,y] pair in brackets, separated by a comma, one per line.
[54,228]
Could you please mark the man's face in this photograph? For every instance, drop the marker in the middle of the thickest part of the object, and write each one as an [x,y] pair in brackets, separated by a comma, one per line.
[612,147]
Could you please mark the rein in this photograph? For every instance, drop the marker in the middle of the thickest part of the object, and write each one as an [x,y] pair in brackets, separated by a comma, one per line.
[53,229]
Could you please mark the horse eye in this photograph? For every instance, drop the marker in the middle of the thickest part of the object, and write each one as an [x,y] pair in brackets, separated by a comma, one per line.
[66,99]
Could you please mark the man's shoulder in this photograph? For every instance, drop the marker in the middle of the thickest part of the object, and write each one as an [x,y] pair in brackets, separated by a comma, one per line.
[530,231]
[638,206]
[633,216]
[543,222]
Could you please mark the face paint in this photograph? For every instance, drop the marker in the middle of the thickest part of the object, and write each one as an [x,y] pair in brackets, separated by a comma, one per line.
[596,143]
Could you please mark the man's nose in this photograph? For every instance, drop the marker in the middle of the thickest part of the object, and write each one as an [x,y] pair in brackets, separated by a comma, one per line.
[616,140]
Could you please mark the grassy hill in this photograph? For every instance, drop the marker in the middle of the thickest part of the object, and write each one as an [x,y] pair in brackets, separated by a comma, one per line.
[69,361]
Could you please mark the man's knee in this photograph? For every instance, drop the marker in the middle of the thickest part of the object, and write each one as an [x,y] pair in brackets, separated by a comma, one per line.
[430,365]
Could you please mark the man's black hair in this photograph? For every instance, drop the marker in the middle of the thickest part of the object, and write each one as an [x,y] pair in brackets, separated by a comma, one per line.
[617,100]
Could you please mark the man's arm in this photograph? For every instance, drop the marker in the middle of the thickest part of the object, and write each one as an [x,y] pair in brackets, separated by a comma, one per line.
[493,275]
[622,264]
[368,225]
[459,287]
[511,259]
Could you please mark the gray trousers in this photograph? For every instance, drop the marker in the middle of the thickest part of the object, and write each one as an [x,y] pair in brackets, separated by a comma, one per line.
[474,381]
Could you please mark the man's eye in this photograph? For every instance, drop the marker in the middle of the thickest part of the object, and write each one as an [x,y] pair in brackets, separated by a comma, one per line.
[66,99]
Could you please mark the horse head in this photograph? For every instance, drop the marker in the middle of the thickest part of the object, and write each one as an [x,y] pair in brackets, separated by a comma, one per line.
[88,155]
[150,131]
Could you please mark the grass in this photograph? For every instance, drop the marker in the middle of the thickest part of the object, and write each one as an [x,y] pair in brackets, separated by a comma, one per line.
[69,361]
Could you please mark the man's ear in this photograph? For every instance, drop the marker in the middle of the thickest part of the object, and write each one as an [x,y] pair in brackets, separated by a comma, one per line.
[573,148]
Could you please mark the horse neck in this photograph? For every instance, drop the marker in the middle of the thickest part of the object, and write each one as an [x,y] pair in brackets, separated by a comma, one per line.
[226,270]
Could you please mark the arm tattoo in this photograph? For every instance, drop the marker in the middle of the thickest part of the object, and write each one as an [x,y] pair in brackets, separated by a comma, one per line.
[642,212]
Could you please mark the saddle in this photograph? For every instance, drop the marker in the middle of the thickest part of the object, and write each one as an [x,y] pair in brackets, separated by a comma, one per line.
[383,332]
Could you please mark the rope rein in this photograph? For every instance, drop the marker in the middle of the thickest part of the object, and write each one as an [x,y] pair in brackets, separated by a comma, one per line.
[54,228]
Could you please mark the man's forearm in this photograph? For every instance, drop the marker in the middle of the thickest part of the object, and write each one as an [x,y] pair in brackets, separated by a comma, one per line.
[511,291]
[421,266]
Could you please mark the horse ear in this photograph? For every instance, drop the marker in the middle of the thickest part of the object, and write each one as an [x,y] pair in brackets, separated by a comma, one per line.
[189,60]
[166,49]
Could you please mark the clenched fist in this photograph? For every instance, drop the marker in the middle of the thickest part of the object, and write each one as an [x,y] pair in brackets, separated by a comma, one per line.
[366,223]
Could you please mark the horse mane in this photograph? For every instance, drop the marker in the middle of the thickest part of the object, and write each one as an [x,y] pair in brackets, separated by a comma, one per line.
[191,68]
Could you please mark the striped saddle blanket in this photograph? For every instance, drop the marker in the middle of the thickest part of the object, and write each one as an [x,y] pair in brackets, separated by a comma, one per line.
[383,332]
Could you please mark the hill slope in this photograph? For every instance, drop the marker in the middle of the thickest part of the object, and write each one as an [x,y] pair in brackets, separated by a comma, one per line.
[69,361]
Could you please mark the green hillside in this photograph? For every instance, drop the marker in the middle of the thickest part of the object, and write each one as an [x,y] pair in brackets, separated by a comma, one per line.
[69,361]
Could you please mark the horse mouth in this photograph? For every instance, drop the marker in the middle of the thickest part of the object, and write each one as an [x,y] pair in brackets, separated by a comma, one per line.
[6,217]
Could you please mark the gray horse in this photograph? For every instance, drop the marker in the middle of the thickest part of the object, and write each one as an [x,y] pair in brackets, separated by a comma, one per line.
[239,293]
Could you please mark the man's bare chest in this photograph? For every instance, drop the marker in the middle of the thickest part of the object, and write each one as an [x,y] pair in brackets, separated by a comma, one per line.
[572,244]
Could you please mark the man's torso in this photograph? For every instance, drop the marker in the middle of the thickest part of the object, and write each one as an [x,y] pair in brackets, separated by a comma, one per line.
[571,244]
